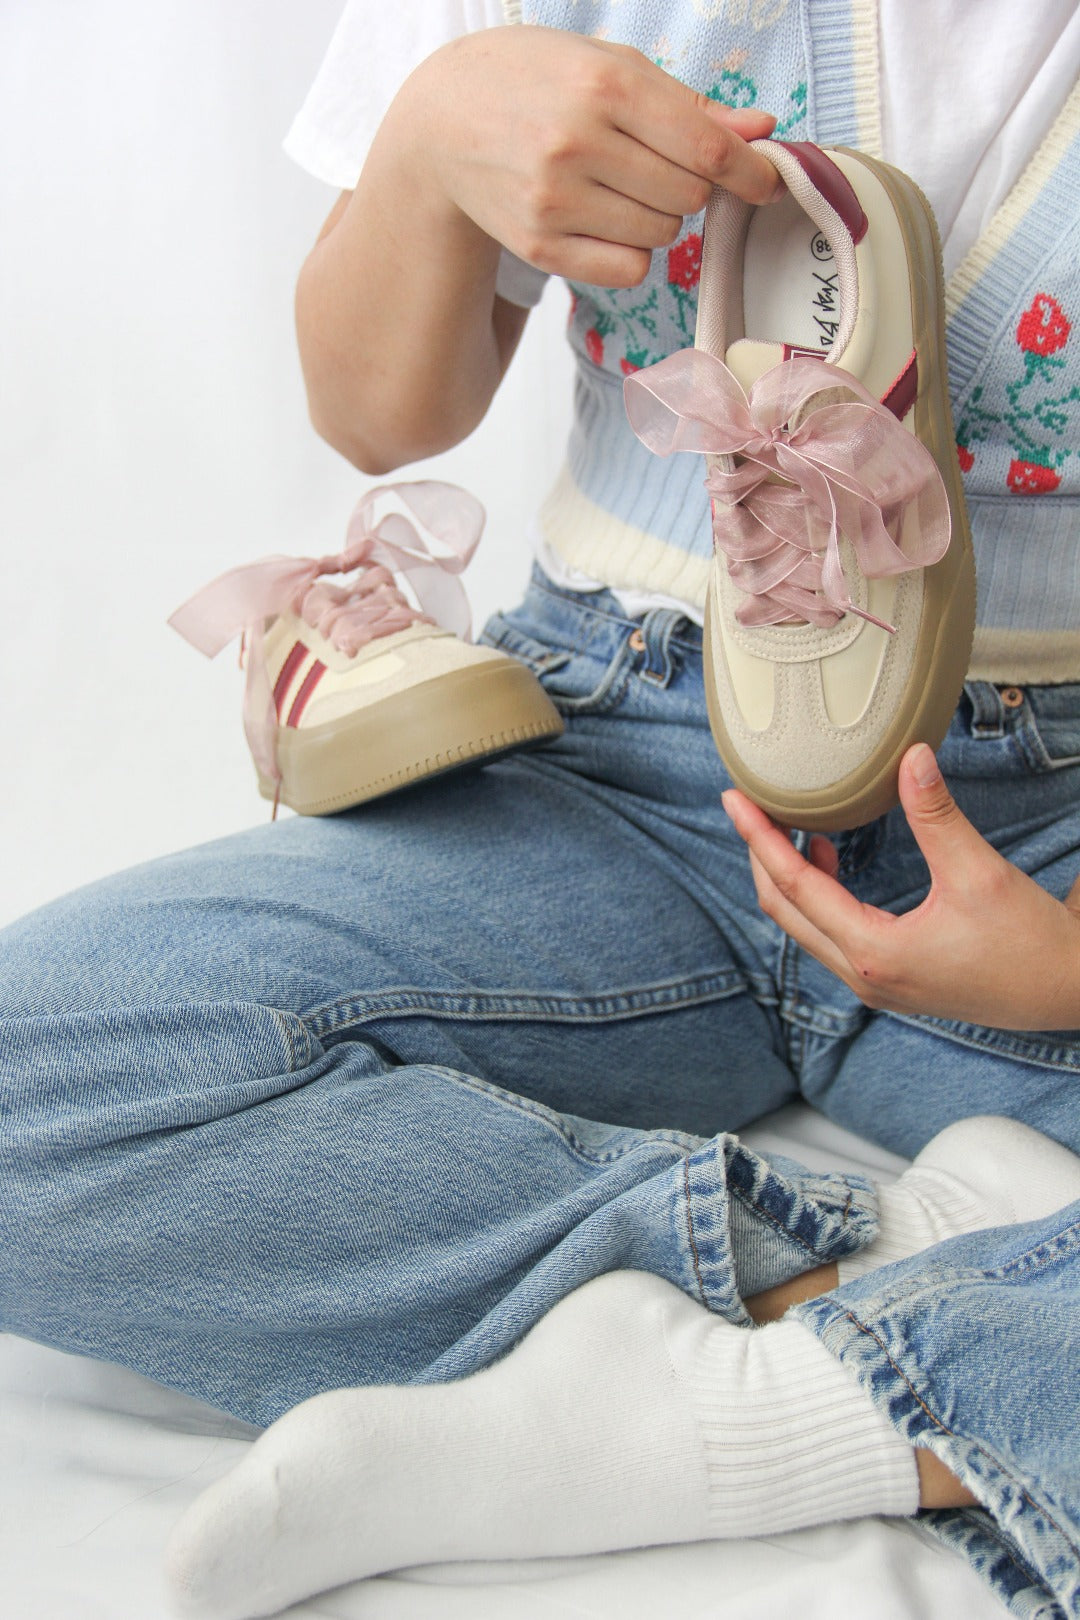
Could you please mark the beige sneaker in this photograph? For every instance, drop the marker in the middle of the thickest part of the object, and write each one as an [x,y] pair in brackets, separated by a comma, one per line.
[841,598]
[352,691]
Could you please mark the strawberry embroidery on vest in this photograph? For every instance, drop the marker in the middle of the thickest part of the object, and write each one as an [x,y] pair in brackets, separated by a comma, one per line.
[1043,328]
[684,263]
[1037,416]
[683,275]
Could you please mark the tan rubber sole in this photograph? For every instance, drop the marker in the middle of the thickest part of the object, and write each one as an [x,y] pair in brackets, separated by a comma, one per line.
[431,728]
[947,630]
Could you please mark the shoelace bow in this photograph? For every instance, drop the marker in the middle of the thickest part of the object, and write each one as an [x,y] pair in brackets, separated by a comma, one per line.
[244,600]
[849,469]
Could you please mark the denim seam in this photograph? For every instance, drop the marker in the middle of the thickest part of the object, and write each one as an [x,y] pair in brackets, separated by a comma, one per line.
[993,1461]
[286,1023]
[404,1002]
[760,987]
[799,1065]
[987,1525]
[556,1123]
[1045,1055]
[778,1226]
[606,695]
[705,1183]
[804,1019]
[908,1289]
[1041,1255]
[691,1236]
[599,620]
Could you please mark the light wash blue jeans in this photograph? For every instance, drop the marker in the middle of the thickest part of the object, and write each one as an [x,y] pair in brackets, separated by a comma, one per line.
[358,1099]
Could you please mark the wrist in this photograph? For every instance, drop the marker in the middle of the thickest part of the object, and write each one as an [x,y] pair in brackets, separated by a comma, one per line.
[410,175]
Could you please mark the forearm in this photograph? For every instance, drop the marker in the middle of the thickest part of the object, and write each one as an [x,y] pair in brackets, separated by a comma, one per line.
[582,157]
[402,338]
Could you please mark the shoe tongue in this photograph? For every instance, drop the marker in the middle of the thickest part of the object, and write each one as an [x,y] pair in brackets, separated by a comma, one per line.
[749,358]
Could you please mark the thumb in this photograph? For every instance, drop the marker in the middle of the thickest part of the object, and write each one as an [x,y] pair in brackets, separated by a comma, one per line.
[942,831]
[748,122]
[1072,899]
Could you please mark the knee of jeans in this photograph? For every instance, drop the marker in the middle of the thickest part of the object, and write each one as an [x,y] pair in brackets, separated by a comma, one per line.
[97,949]
[73,955]
[92,1095]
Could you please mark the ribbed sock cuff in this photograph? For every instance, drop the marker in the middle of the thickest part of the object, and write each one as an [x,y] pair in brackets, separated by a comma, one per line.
[790,1437]
[922,1208]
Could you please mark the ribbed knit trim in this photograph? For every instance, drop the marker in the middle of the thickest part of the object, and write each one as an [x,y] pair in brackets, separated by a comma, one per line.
[789,1437]
[587,537]
[866,75]
[844,105]
[1025,657]
[1026,553]
[1008,218]
[511,11]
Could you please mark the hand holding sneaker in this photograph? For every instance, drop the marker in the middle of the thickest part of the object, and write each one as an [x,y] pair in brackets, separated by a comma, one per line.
[978,908]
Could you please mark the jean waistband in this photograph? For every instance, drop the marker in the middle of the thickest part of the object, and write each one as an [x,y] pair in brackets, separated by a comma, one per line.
[595,622]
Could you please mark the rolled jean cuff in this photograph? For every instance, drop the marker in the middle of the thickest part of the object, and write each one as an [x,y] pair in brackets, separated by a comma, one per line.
[752,1222]
[970,1351]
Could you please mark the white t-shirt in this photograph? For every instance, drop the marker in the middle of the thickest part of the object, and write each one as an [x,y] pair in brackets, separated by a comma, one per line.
[968,90]
[373,50]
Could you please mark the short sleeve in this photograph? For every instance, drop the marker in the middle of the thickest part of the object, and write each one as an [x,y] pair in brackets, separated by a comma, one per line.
[373,50]
[519,283]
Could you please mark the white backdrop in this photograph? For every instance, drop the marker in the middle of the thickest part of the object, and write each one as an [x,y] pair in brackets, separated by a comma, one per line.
[153,429]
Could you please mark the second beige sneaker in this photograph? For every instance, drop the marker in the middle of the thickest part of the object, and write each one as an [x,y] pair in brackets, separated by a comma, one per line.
[351,690]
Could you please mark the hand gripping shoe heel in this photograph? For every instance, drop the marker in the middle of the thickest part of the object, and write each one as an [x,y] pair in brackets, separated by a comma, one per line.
[841,599]
[351,691]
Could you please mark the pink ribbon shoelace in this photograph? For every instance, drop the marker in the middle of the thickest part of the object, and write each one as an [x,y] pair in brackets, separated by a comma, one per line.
[243,601]
[849,468]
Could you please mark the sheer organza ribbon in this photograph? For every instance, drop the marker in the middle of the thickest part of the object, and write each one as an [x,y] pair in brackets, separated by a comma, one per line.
[242,601]
[850,471]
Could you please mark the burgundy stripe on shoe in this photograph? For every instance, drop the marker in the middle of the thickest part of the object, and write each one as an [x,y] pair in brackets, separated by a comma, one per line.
[310,682]
[833,184]
[900,396]
[288,671]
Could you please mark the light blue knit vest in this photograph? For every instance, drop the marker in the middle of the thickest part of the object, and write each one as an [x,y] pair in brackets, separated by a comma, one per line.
[638,523]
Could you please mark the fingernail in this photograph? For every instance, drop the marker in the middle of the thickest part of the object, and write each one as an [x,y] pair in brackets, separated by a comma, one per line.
[924,767]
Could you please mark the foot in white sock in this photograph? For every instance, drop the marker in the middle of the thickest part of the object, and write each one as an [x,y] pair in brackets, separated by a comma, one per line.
[630,1416]
[979,1172]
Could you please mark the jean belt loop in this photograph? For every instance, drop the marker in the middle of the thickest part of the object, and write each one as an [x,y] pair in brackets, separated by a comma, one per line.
[657,629]
[987,709]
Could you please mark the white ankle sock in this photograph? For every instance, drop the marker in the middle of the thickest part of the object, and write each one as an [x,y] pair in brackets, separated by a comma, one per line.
[630,1416]
[980,1172]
